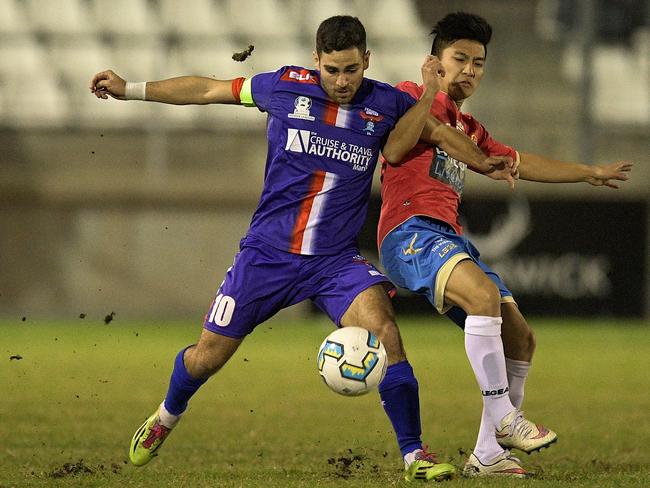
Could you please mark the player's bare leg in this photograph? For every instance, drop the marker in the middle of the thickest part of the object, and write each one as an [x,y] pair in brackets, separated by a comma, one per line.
[518,338]
[519,347]
[471,289]
[210,354]
[372,310]
[193,366]
[519,344]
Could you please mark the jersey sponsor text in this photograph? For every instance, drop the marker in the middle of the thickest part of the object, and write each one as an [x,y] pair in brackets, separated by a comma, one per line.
[304,141]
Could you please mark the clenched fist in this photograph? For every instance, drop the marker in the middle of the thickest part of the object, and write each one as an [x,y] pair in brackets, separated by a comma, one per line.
[107,83]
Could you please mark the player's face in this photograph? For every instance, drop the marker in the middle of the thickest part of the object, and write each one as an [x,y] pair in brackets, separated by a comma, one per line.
[341,72]
[463,61]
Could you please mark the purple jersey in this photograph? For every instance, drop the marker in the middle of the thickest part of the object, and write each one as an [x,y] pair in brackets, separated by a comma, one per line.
[321,158]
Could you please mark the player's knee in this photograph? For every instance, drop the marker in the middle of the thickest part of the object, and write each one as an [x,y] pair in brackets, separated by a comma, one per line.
[531,342]
[388,333]
[385,330]
[207,357]
[201,364]
[526,340]
[522,346]
[485,300]
[210,365]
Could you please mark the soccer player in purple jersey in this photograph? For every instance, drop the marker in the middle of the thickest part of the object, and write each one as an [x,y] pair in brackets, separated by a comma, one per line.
[325,130]
[498,340]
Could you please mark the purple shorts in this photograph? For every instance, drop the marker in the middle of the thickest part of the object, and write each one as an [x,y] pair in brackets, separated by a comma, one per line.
[264,280]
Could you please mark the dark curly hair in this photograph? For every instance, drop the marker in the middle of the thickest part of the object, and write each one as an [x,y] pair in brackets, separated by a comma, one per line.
[339,33]
[460,25]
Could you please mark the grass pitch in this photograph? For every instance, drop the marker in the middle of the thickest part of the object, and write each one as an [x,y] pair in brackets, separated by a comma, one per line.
[70,403]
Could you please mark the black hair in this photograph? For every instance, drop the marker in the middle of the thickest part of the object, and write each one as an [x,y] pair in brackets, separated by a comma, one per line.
[460,25]
[339,33]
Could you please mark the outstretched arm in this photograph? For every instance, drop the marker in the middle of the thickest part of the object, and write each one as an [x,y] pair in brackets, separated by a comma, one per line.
[417,124]
[460,147]
[540,168]
[183,90]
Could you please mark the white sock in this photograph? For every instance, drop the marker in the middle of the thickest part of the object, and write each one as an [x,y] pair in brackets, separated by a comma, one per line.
[517,373]
[169,420]
[484,349]
[487,447]
[410,457]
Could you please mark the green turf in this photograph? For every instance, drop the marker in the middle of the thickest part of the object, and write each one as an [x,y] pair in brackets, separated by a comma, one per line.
[68,408]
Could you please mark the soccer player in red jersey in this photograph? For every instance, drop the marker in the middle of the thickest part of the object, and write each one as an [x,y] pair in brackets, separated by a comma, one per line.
[422,247]
[325,130]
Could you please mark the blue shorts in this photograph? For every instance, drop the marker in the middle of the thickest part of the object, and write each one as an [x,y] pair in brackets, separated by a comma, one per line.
[264,280]
[420,254]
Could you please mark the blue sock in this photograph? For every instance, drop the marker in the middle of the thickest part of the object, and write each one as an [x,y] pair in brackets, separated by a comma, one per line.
[181,387]
[401,400]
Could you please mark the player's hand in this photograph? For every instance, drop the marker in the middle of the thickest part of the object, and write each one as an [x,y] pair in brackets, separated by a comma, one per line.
[502,168]
[604,173]
[107,83]
[432,73]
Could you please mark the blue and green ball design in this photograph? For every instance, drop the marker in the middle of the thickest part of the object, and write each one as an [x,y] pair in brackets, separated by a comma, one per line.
[360,361]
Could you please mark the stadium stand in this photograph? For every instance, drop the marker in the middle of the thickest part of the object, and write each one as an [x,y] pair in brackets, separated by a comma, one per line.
[90,175]
[195,18]
[322,10]
[621,55]
[393,22]
[125,18]
[13,21]
[25,75]
[62,18]
[269,20]
[149,39]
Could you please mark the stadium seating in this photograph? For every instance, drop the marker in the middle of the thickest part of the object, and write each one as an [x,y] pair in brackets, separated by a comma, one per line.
[66,41]
[269,19]
[195,18]
[125,18]
[391,20]
[13,20]
[143,61]
[30,93]
[63,17]
[615,66]
[322,10]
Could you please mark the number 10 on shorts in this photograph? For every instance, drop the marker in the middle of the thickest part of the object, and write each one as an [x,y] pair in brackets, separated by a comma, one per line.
[222,310]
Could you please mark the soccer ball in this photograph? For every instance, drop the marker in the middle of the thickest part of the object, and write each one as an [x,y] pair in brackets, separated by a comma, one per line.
[352,361]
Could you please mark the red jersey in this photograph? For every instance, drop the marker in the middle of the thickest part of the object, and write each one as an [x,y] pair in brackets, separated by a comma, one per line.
[428,181]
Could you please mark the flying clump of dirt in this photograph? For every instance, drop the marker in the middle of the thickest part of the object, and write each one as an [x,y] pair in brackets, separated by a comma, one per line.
[241,56]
